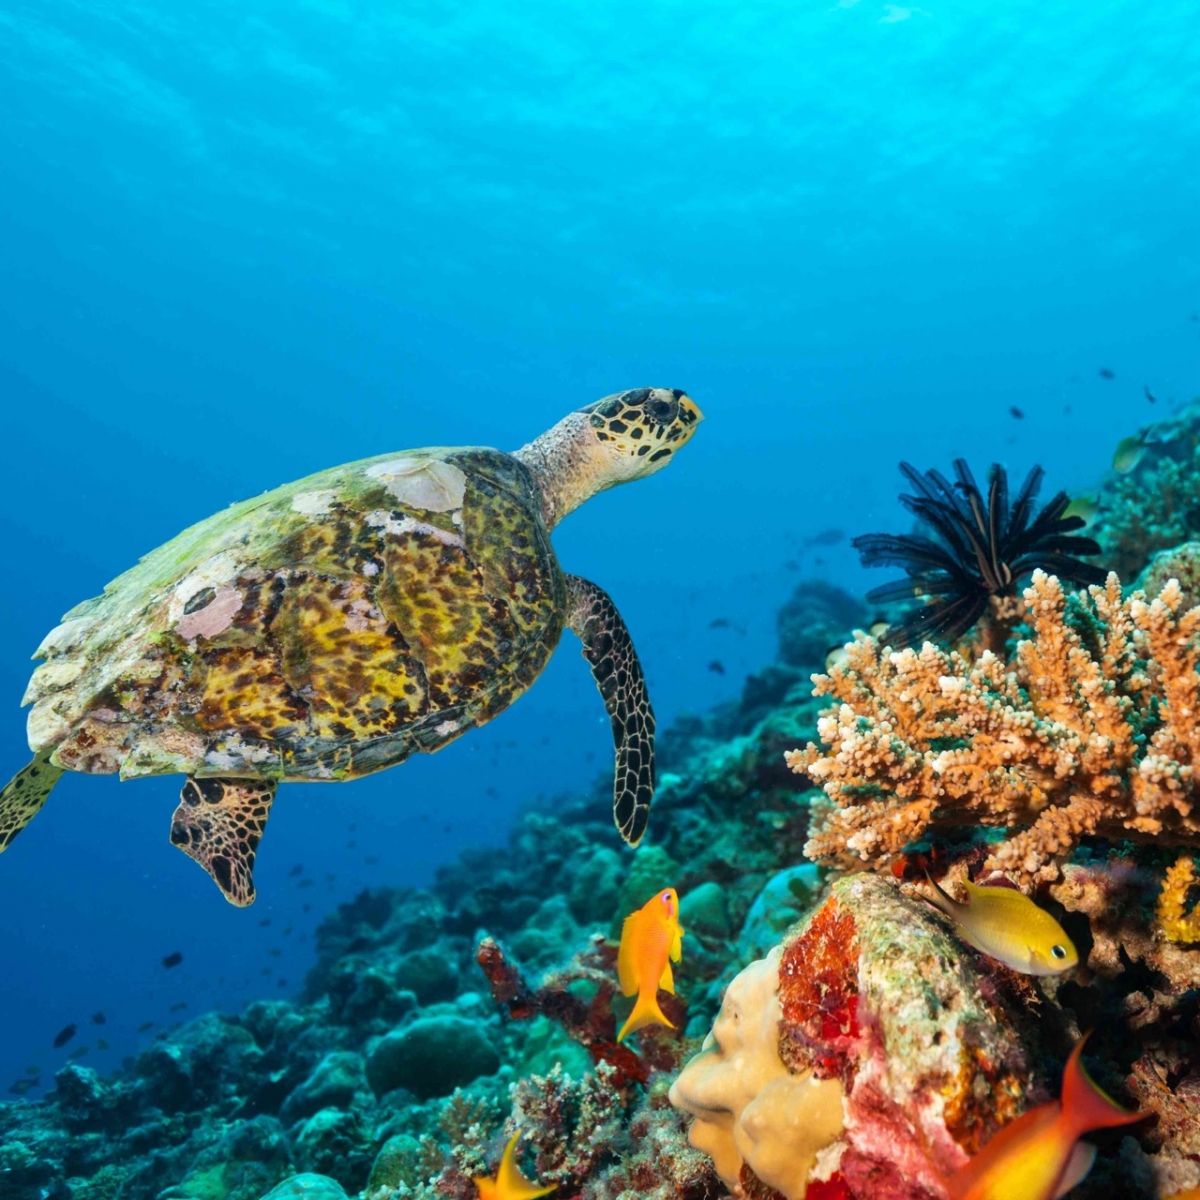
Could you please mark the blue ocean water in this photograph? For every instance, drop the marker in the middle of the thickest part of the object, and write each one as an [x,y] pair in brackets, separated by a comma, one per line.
[241,242]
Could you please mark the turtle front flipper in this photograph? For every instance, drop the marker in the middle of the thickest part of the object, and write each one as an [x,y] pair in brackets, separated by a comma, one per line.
[23,796]
[219,823]
[593,617]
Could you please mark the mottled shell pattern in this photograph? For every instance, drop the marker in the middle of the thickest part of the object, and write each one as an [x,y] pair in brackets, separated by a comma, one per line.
[321,631]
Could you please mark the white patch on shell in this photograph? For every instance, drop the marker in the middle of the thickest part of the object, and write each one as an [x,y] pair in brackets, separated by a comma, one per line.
[424,483]
[53,677]
[445,728]
[362,615]
[380,518]
[217,572]
[65,637]
[314,504]
[235,753]
[215,617]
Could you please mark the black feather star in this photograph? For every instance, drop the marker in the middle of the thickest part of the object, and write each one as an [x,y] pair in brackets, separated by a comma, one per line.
[978,549]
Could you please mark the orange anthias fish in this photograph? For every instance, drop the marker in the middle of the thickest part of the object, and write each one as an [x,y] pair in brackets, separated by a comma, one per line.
[1039,1155]
[650,942]
[509,1183]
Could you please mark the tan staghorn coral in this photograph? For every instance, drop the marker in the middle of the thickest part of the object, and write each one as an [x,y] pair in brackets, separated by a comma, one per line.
[1093,727]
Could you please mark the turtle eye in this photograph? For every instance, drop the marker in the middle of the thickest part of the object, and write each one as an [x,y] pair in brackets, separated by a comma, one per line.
[1059,952]
[659,409]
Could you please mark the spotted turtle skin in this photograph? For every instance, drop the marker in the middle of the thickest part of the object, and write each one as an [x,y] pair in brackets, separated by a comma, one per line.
[322,631]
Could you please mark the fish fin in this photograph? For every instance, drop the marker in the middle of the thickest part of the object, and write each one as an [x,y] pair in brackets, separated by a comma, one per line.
[1085,1105]
[677,943]
[942,899]
[219,823]
[24,795]
[1078,1166]
[667,982]
[645,1012]
[964,1183]
[626,969]
[594,618]
[510,1183]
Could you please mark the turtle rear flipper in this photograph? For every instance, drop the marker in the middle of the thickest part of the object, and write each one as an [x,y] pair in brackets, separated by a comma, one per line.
[593,617]
[24,795]
[219,823]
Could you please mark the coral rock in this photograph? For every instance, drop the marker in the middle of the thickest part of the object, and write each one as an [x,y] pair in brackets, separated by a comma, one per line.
[870,1014]
[307,1186]
[334,1083]
[431,1057]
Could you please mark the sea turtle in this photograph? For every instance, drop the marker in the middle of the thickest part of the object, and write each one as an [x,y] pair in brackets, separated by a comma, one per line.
[332,627]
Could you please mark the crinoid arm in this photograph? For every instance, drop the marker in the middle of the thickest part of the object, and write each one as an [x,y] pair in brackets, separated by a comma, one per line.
[594,618]
[981,545]
[219,823]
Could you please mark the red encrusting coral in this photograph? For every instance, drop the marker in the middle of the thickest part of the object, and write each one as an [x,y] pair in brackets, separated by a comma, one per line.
[818,992]
[591,1023]
[833,1188]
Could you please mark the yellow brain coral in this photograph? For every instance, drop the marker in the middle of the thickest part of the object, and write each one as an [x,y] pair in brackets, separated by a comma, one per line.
[1092,727]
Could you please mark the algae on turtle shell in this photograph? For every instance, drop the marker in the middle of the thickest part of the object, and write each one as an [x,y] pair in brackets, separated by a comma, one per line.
[338,624]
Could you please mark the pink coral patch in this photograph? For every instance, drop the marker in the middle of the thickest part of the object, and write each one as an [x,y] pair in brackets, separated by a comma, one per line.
[215,617]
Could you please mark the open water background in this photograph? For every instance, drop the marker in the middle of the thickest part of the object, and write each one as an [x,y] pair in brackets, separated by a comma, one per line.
[241,242]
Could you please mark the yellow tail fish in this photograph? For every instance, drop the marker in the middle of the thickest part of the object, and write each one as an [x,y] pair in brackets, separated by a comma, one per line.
[509,1183]
[1006,924]
[1039,1155]
[650,942]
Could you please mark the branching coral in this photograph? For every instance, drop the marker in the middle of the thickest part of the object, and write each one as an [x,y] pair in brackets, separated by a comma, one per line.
[573,1123]
[1177,923]
[1092,729]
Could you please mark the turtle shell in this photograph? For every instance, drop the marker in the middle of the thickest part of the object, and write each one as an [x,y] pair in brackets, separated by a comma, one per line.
[323,630]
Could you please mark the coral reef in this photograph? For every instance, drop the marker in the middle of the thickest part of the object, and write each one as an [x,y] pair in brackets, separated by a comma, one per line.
[871,999]
[859,1049]
[1092,729]
[1156,505]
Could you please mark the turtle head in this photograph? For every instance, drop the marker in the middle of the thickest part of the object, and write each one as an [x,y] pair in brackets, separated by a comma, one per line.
[637,432]
[625,436]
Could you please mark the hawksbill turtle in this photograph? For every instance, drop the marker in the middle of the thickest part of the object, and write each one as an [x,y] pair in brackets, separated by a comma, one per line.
[334,626]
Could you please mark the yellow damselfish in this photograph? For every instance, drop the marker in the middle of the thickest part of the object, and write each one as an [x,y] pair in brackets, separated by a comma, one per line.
[650,942]
[1007,925]
[509,1183]
[1039,1156]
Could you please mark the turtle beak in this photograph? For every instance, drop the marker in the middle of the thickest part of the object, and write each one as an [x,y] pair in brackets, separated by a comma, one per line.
[689,410]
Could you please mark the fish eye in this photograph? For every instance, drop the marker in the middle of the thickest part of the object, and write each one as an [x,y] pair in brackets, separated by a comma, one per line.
[1058,951]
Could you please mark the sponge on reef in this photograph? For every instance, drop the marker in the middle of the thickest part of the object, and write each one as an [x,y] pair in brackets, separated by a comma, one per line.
[749,1109]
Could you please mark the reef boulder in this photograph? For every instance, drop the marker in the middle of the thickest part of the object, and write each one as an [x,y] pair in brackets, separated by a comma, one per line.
[430,1057]
[868,1047]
